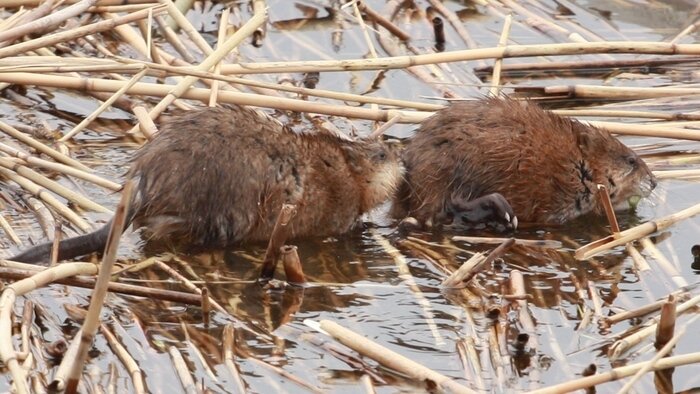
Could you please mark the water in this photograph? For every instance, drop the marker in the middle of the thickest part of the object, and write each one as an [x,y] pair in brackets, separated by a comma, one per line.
[354,280]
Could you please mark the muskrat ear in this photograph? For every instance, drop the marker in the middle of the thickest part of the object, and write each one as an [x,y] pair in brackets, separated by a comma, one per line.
[353,156]
[583,139]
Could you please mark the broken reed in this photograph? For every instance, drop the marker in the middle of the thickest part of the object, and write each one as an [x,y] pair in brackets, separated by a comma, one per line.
[398,115]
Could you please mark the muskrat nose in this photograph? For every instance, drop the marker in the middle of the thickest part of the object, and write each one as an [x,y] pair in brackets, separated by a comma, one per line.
[652,182]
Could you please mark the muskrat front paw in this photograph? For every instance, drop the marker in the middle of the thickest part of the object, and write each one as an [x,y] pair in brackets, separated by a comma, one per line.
[491,210]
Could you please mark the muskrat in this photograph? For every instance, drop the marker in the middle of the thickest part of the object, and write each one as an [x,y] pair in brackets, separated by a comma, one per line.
[471,159]
[217,177]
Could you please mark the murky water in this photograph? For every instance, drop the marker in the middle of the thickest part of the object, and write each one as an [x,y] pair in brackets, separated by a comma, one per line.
[354,280]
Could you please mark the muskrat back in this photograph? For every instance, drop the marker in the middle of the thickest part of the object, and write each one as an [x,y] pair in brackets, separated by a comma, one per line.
[546,166]
[218,177]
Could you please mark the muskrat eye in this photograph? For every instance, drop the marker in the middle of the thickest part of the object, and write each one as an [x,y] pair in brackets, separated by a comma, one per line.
[632,161]
[381,155]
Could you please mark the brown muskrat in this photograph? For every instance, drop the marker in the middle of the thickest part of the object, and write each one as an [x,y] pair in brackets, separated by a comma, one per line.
[216,177]
[468,159]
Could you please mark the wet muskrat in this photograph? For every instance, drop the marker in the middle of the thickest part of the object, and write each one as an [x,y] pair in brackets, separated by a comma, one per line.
[470,160]
[217,177]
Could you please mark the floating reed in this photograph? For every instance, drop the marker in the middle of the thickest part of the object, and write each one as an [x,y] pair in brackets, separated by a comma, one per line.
[389,358]
[92,319]
[597,247]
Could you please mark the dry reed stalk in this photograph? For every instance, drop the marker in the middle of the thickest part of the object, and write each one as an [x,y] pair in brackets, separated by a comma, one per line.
[604,199]
[641,311]
[466,270]
[186,26]
[127,360]
[524,69]
[667,323]
[647,130]
[223,27]
[57,235]
[26,326]
[595,299]
[211,60]
[363,28]
[517,285]
[56,155]
[430,74]
[20,3]
[120,8]
[89,119]
[206,306]
[473,360]
[619,93]
[666,349]
[457,24]
[92,320]
[618,373]
[496,359]
[622,345]
[174,40]
[61,168]
[292,266]
[388,358]
[8,355]
[187,283]
[640,263]
[383,22]
[367,385]
[474,265]
[183,372]
[266,85]
[611,113]
[47,198]
[23,18]
[408,279]
[122,288]
[43,215]
[440,261]
[46,23]
[677,174]
[60,376]
[279,235]
[502,41]
[663,262]
[52,186]
[542,243]
[146,125]
[224,96]
[135,267]
[228,344]
[688,30]
[597,247]
[9,231]
[540,23]
[72,34]
[463,55]
[50,275]
[383,128]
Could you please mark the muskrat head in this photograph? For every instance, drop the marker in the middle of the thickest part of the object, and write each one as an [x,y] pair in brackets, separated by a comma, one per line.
[377,165]
[616,166]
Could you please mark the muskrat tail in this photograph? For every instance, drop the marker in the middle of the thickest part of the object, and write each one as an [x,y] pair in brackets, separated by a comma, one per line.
[67,248]
[73,247]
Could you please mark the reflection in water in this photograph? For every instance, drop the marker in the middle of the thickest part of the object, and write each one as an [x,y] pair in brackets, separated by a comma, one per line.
[474,335]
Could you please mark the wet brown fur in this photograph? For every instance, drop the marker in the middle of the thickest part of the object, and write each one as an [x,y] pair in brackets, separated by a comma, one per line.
[545,165]
[217,177]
